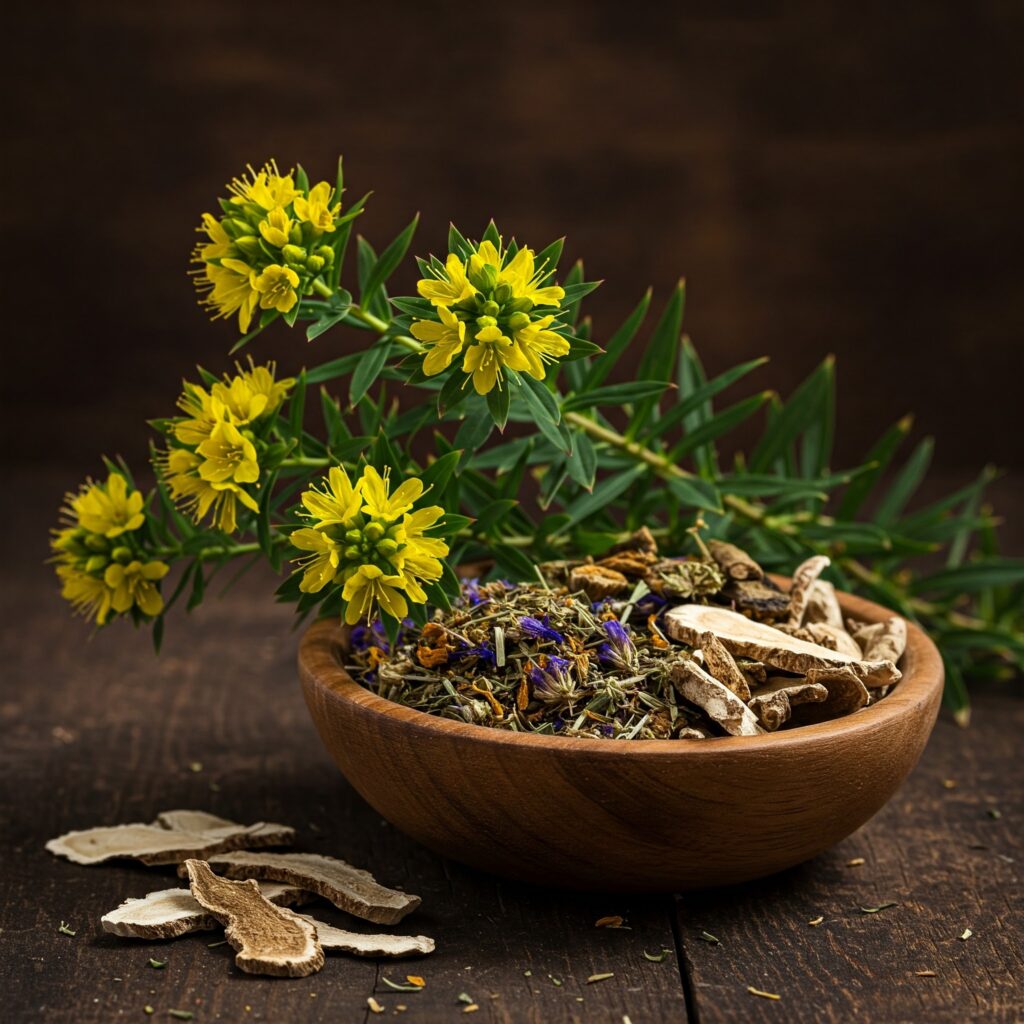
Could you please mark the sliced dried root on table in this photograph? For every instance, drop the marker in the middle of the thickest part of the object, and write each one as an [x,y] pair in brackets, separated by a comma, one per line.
[760,598]
[804,577]
[340,940]
[825,635]
[168,913]
[734,561]
[881,639]
[598,582]
[717,701]
[350,889]
[773,703]
[721,664]
[164,842]
[267,939]
[740,636]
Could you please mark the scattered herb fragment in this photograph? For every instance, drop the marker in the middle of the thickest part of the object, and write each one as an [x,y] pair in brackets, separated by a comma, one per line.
[555,981]
[600,977]
[949,783]
[374,1006]
[816,921]
[472,1008]
[415,979]
[465,998]
[398,987]
[181,1014]
[66,929]
[925,974]
[709,938]
[995,813]
[195,766]
[214,945]
[157,964]
[612,921]
[527,974]
[967,933]
[855,863]
[657,958]
[764,995]
[148,1011]
[881,906]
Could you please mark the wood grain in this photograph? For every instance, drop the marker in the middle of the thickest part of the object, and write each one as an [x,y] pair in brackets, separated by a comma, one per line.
[98,731]
[648,817]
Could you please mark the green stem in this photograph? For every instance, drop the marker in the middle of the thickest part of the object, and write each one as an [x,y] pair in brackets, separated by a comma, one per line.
[307,462]
[215,551]
[375,323]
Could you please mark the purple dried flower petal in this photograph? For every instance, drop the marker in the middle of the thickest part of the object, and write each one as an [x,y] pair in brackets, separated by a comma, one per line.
[540,630]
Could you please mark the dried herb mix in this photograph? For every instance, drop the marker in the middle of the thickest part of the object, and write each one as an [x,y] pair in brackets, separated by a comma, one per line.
[616,649]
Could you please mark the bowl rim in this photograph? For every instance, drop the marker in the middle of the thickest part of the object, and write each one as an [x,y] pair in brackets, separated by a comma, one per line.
[922,683]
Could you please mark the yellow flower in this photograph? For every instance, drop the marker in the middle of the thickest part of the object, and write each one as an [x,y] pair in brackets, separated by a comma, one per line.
[88,595]
[338,504]
[369,587]
[228,456]
[320,566]
[445,340]
[451,289]
[267,189]
[276,287]
[202,412]
[133,584]
[219,244]
[227,289]
[540,345]
[489,356]
[108,509]
[275,227]
[376,500]
[198,497]
[260,381]
[317,209]
[523,279]
[370,539]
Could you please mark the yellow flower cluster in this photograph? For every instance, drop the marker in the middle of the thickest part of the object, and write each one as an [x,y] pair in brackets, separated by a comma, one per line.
[486,309]
[267,247]
[371,541]
[212,465]
[100,553]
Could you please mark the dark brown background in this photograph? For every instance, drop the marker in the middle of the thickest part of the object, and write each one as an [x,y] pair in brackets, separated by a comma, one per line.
[830,178]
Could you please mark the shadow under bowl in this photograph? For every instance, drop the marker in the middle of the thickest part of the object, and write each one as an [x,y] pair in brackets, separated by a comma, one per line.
[618,816]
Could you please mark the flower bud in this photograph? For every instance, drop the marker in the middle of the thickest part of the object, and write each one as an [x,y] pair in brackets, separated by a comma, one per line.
[353,553]
[96,563]
[248,245]
[387,547]
[485,278]
[326,253]
[314,264]
[94,542]
[235,228]
[517,321]
[503,293]
[353,536]
[295,235]
[121,554]
[491,308]
[373,531]
[520,305]
[294,254]
[486,321]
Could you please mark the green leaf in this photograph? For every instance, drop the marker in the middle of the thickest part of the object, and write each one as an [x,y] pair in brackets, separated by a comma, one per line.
[879,457]
[795,416]
[972,577]
[603,494]
[368,369]
[388,261]
[337,313]
[816,444]
[582,463]
[615,394]
[457,242]
[699,396]
[498,402]
[906,483]
[334,369]
[439,472]
[620,340]
[246,338]
[474,431]
[575,292]
[541,408]
[958,548]
[530,385]
[719,424]
[695,493]
[454,390]
[512,561]
[691,377]
[491,235]
[659,358]
[547,259]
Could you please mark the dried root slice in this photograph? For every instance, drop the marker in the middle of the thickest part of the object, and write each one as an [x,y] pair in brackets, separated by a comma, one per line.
[773,703]
[846,694]
[825,635]
[598,582]
[267,939]
[881,639]
[720,664]
[165,842]
[350,889]
[338,940]
[758,597]
[740,636]
[734,561]
[804,577]
[822,605]
[717,701]
[168,913]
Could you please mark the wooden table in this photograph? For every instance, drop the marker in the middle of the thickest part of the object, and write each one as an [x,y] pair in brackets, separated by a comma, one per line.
[100,732]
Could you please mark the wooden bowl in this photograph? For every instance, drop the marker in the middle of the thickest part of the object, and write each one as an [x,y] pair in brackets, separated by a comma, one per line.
[639,816]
